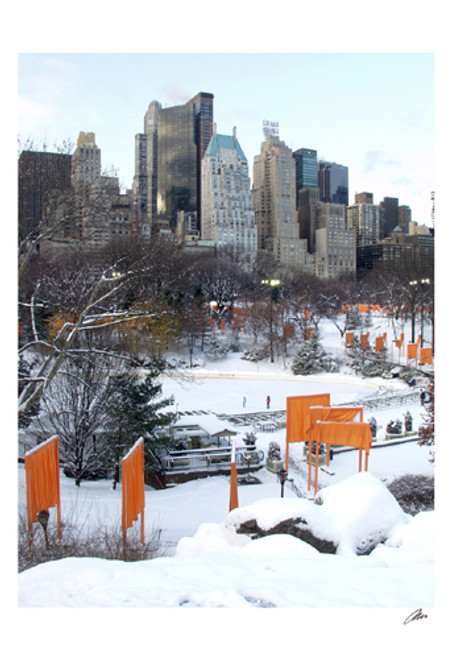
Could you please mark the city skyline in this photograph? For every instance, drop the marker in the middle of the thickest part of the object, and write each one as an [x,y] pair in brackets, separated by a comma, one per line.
[373,113]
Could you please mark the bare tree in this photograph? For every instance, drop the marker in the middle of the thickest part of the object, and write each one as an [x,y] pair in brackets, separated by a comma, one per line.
[75,407]
[90,302]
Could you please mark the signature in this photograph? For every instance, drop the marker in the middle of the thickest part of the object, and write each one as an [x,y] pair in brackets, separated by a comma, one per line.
[416,615]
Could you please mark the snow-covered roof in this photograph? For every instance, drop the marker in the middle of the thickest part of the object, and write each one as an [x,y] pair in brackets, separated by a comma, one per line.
[207,422]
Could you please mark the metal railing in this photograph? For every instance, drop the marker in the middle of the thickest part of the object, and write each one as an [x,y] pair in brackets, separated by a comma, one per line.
[210,459]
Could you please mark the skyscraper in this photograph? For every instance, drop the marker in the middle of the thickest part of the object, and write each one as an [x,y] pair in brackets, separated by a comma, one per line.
[333,182]
[227,215]
[389,215]
[306,162]
[168,158]
[335,245]
[86,161]
[364,217]
[274,201]
[42,175]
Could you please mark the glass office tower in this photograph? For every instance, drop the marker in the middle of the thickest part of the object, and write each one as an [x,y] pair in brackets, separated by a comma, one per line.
[306,161]
[333,183]
[174,142]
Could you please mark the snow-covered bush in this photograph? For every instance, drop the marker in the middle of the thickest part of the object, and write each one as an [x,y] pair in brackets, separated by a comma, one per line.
[273,451]
[103,541]
[250,439]
[394,427]
[256,354]
[373,425]
[413,492]
[408,421]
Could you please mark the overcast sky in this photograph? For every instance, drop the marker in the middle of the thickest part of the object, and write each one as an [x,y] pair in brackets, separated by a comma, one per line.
[372,112]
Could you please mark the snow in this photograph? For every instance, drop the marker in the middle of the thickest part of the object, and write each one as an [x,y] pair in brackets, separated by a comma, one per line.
[210,567]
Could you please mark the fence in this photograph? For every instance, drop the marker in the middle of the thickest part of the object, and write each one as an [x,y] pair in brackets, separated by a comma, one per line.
[211,460]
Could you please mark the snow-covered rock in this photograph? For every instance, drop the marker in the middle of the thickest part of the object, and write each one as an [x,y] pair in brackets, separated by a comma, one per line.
[349,518]
[364,512]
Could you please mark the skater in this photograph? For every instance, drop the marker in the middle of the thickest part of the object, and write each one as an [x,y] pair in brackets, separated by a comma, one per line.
[244,401]
[268,402]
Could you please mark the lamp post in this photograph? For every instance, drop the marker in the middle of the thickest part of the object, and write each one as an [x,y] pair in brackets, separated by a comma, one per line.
[416,285]
[43,519]
[274,288]
[282,475]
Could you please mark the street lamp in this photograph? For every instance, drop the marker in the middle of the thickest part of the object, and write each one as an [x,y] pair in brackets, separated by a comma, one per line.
[274,287]
[282,475]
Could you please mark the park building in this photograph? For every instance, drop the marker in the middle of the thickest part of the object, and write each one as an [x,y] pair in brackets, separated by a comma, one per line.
[227,217]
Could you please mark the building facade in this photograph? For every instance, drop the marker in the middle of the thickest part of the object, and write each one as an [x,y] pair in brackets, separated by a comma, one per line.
[398,252]
[168,158]
[306,163]
[308,202]
[42,177]
[274,202]
[227,217]
[86,161]
[335,245]
[388,215]
[363,217]
[404,218]
[333,182]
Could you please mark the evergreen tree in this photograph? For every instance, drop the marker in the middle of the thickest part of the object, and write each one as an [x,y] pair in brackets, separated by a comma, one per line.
[312,358]
[137,412]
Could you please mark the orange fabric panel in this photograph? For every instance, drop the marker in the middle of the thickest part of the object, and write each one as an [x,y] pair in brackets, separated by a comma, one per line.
[363,308]
[233,502]
[426,356]
[379,343]
[298,417]
[349,338]
[357,435]
[343,414]
[133,484]
[412,351]
[42,479]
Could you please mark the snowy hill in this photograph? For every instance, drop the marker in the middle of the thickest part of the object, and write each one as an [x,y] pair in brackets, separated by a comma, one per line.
[208,567]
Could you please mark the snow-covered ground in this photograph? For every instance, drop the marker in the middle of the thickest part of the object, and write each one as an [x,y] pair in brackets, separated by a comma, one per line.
[211,571]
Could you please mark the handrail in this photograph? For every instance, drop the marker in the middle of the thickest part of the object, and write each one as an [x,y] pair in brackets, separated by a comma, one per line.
[206,459]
